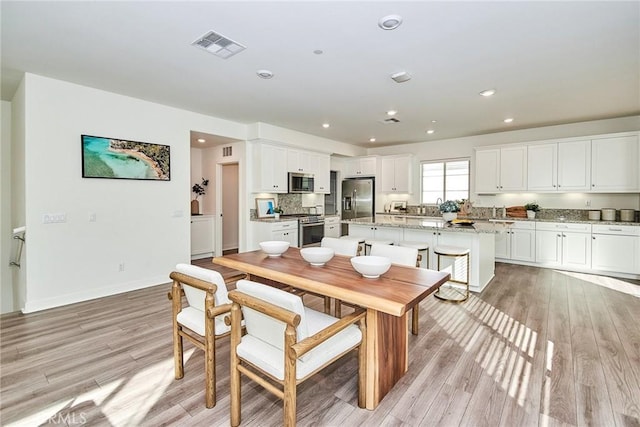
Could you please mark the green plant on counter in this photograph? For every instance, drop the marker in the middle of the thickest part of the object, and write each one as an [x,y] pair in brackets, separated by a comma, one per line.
[450,206]
[199,189]
[532,206]
[278,209]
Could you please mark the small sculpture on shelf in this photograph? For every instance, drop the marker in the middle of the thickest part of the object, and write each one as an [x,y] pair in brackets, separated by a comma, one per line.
[200,190]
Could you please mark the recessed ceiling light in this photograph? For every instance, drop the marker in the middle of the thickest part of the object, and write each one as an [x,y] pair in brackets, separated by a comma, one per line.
[201,140]
[430,131]
[508,120]
[325,125]
[264,74]
[434,121]
[401,77]
[318,52]
[488,92]
[392,113]
[390,22]
[372,140]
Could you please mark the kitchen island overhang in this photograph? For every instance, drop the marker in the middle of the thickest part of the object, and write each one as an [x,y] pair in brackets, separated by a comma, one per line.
[479,238]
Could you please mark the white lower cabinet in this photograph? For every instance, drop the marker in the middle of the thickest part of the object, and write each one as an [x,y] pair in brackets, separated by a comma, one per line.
[282,230]
[202,241]
[616,248]
[517,243]
[332,226]
[563,244]
[286,231]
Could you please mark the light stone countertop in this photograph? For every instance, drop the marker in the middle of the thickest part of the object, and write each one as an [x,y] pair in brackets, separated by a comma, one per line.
[431,223]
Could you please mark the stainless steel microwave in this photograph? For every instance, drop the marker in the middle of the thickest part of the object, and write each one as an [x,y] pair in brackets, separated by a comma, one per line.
[300,183]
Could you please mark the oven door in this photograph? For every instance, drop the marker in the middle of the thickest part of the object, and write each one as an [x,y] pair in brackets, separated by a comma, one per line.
[311,234]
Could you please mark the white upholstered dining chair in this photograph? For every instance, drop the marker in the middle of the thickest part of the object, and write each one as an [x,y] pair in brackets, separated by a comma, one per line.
[286,343]
[201,321]
[403,256]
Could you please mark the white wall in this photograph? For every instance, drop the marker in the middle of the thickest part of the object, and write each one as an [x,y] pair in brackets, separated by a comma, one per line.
[141,224]
[463,147]
[7,303]
[18,190]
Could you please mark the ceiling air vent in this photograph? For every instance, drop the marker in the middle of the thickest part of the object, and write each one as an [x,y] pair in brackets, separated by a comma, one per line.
[218,44]
[390,120]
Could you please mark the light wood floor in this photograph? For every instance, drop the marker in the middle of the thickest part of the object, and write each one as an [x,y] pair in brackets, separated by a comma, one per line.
[538,347]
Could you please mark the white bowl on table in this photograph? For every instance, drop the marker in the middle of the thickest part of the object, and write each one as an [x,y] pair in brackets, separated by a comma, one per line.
[370,266]
[317,256]
[274,248]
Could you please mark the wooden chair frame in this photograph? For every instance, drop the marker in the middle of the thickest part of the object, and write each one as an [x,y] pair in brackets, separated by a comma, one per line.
[293,351]
[206,343]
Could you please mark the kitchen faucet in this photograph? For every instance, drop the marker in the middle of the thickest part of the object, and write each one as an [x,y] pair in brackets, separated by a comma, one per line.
[439,201]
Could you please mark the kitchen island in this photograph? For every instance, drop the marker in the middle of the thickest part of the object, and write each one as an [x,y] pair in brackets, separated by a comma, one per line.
[479,238]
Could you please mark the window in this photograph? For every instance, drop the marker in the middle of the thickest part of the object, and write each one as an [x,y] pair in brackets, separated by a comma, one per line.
[445,179]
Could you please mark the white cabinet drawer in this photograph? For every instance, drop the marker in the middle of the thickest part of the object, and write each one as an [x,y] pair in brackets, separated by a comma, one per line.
[563,226]
[281,226]
[332,220]
[626,230]
[524,225]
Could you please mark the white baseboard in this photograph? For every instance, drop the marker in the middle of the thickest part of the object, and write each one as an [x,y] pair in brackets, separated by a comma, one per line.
[33,305]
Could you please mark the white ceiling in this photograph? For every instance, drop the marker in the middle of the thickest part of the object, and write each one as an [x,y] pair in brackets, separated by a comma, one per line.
[551,62]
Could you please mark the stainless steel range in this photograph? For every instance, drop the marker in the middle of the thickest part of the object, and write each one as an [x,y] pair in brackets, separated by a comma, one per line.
[310,229]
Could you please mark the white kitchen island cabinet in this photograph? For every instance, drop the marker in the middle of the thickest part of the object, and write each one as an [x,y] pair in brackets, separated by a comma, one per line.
[479,239]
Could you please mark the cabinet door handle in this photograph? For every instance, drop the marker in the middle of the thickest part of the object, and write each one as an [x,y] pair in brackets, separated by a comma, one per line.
[593,237]
[559,235]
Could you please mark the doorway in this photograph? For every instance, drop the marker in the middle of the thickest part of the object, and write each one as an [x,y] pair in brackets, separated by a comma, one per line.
[230,208]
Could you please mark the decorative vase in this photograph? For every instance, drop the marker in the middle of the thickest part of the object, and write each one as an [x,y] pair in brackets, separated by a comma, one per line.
[195,207]
[449,216]
[531,214]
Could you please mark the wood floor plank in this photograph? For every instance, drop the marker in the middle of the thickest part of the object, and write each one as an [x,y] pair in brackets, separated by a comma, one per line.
[537,348]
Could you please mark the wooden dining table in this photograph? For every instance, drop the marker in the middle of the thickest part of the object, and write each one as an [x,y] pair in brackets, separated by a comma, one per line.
[386,299]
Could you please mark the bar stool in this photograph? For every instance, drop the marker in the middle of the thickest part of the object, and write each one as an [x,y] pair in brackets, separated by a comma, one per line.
[453,294]
[369,242]
[422,248]
[360,242]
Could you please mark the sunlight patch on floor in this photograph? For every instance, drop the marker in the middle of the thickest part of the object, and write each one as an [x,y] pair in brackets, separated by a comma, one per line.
[509,345]
[606,282]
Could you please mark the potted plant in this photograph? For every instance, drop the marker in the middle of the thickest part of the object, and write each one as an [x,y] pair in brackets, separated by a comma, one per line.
[200,190]
[449,210]
[277,211]
[532,208]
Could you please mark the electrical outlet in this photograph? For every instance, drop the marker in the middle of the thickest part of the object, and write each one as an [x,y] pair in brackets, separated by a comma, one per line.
[92,217]
[52,218]
[121,267]
[587,203]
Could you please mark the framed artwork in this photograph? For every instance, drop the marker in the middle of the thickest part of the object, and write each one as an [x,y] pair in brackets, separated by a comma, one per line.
[397,206]
[264,207]
[121,159]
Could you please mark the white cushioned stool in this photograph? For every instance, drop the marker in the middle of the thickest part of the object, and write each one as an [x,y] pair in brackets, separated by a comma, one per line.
[451,293]
[423,249]
[360,242]
[369,242]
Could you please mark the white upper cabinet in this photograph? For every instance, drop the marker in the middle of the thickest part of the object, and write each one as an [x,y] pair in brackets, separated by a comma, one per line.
[321,169]
[501,169]
[269,168]
[614,164]
[396,174]
[299,161]
[563,166]
[360,166]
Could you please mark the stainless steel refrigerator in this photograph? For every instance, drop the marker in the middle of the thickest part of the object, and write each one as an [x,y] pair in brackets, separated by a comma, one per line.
[358,199]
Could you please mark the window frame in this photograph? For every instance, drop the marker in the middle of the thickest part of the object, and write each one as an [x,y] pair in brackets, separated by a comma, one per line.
[444,176]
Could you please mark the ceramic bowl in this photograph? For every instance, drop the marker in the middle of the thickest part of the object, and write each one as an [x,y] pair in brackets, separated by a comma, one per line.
[274,247]
[371,267]
[317,256]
